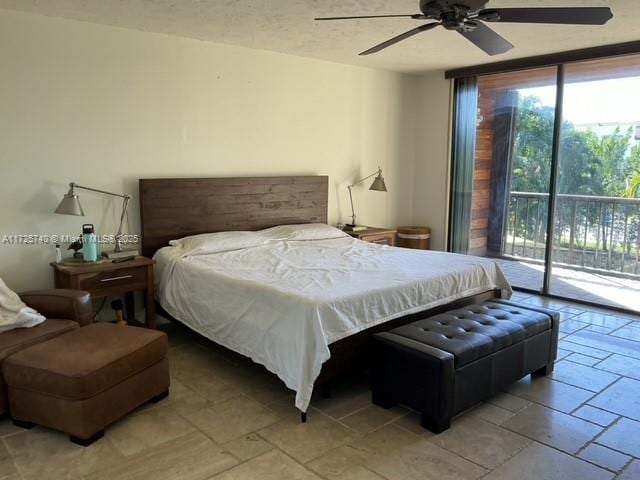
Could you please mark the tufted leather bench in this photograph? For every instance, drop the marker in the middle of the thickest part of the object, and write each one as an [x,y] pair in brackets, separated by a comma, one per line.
[447,363]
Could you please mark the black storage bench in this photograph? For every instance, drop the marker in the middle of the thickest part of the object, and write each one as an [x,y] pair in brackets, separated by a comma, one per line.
[442,365]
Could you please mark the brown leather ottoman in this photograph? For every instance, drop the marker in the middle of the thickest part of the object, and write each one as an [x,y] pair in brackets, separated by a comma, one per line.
[82,381]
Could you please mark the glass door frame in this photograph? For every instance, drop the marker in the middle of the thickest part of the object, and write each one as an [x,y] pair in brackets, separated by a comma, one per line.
[553,186]
[553,182]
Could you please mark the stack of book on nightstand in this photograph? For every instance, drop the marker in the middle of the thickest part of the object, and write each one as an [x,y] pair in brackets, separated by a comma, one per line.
[123,254]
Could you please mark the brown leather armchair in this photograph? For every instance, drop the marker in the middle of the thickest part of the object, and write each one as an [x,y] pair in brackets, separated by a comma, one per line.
[65,310]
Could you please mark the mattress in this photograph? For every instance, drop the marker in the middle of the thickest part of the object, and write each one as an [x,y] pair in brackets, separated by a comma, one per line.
[283,303]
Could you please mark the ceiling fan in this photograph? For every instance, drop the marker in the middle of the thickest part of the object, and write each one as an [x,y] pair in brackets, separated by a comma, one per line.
[467,17]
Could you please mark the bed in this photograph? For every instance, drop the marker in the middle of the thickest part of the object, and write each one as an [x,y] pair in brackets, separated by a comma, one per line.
[300,306]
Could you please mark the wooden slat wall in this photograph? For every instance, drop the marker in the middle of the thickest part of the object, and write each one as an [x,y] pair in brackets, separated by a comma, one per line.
[482,173]
[175,208]
[489,87]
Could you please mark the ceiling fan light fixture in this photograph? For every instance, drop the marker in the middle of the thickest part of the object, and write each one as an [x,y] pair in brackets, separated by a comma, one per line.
[469,26]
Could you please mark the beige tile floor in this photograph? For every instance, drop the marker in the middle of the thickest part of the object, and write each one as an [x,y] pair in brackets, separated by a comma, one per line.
[228,419]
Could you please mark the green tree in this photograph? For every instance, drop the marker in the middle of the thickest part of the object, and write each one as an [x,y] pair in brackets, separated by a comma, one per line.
[633,189]
[580,168]
[589,164]
[633,173]
[531,158]
[612,150]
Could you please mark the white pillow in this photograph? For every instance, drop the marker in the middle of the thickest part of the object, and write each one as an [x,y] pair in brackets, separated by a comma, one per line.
[207,243]
[14,313]
[305,231]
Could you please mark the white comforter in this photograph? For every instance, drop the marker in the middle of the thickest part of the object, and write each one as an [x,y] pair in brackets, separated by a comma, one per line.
[283,304]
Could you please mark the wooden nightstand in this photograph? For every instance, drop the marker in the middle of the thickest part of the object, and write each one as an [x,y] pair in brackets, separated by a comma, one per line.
[112,279]
[384,236]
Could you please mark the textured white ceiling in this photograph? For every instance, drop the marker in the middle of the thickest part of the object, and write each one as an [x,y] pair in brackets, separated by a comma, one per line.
[287,26]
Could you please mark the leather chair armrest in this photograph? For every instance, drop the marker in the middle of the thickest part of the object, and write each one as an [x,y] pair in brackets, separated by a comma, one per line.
[61,303]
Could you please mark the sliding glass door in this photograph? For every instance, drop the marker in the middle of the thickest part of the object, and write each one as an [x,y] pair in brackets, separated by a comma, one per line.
[507,172]
[546,178]
[596,240]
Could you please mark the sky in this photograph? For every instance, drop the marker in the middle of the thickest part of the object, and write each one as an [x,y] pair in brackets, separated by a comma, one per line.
[603,101]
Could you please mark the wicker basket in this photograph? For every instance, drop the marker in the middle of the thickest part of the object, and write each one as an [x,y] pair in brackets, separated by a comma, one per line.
[414,237]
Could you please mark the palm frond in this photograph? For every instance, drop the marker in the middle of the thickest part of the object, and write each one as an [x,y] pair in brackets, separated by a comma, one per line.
[633,189]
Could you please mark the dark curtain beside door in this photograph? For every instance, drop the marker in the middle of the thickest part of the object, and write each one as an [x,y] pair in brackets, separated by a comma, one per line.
[464,146]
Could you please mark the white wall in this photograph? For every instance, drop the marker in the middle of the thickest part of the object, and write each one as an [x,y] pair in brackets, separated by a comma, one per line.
[431,181]
[104,106]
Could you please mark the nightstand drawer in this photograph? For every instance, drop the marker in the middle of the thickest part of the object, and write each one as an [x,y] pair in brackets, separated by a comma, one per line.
[124,277]
[382,236]
[382,239]
[108,279]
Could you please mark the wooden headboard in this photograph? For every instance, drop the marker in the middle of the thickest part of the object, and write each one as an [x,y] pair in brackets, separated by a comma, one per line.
[178,207]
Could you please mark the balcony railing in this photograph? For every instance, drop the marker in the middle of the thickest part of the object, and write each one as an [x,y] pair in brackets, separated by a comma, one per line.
[591,232]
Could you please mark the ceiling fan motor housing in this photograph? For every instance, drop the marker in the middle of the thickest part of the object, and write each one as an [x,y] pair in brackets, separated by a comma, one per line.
[439,5]
[452,15]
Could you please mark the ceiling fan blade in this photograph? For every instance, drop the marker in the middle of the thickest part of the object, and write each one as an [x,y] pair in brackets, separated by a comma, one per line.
[399,38]
[486,39]
[414,16]
[565,15]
